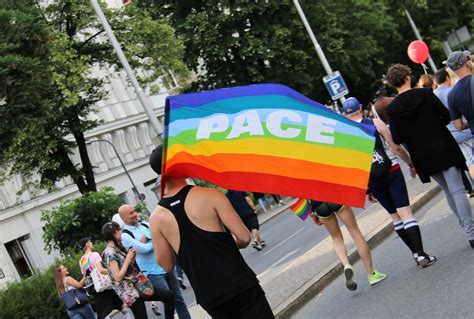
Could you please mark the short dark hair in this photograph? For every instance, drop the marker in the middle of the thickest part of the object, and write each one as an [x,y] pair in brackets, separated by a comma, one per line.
[441,76]
[156,159]
[397,74]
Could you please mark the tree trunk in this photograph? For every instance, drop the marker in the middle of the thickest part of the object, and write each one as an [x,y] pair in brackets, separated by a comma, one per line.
[68,166]
[86,163]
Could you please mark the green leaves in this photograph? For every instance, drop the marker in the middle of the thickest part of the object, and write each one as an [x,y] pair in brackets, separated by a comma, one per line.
[53,59]
[77,218]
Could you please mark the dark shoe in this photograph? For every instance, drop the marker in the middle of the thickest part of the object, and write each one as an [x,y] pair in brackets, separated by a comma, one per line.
[262,243]
[181,283]
[472,243]
[257,246]
[351,284]
[154,308]
[426,261]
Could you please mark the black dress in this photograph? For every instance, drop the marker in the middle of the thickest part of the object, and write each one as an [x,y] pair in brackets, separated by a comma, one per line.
[418,120]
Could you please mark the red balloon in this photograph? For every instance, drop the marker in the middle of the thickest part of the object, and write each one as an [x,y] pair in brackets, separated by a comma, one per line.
[418,51]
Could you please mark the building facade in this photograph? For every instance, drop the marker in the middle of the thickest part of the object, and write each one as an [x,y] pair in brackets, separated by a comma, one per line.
[126,126]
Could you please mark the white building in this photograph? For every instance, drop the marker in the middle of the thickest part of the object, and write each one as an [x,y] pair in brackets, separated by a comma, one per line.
[126,126]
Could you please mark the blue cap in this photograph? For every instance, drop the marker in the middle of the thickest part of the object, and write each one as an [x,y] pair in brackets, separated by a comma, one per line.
[351,105]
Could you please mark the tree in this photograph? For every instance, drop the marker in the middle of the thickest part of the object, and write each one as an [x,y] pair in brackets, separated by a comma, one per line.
[77,218]
[232,43]
[49,89]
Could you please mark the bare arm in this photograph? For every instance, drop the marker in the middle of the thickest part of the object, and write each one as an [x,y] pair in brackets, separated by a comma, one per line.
[163,251]
[397,149]
[230,219]
[119,273]
[249,201]
[73,282]
[101,269]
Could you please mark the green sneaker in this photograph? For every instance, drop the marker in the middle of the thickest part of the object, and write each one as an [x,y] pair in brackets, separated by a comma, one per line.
[376,278]
[349,273]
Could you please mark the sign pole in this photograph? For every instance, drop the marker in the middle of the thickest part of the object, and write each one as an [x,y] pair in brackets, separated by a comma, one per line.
[318,48]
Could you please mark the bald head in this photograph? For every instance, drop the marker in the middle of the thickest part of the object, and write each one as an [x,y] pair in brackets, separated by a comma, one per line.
[128,214]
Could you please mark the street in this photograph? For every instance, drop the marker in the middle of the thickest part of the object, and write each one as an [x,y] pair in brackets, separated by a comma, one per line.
[443,290]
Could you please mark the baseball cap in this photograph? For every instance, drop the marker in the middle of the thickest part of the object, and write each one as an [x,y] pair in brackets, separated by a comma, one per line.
[83,242]
[351,105]
[156,159]
[457,59]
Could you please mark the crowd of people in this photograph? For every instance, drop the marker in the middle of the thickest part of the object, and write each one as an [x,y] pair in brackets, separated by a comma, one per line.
[428,124]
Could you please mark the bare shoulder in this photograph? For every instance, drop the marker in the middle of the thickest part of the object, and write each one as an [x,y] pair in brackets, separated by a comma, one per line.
[202,193]
[160,216]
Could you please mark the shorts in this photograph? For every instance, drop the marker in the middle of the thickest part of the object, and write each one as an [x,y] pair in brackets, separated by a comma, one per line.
[391,191]
[251,222]
[325,210]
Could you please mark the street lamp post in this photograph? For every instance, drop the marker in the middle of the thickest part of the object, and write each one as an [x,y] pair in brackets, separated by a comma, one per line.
[145,102]
[135,190]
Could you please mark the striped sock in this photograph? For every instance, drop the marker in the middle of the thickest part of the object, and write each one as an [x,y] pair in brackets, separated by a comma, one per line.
[413,233]
[399,228]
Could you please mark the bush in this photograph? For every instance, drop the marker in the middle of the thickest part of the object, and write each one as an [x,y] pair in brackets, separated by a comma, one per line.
[77,218]
[36,297]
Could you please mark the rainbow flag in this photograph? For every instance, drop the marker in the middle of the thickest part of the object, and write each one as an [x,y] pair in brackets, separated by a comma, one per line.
[301,208]
[267,138]
[84,265]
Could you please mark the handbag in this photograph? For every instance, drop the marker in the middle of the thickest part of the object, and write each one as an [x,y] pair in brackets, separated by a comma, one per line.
[101,281]
[75,298]
[143,285]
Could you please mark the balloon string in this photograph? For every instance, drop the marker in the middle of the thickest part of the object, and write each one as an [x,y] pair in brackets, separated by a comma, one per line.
[425,68]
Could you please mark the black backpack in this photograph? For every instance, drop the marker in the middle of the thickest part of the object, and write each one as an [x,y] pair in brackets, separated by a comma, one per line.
[381,163]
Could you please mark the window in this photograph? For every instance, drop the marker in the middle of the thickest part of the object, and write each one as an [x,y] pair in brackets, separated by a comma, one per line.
[19,258]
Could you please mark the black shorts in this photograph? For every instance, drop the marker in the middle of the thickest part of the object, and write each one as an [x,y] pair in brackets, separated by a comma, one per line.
[325,210]
[391,191]
[250,303]
[251,222]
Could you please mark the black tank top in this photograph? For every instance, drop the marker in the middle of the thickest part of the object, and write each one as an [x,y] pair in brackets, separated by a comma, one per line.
[211,260]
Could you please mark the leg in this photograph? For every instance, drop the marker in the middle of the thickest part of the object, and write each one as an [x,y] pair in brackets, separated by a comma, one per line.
[163,293]
[454,183]
[440,179]
[332,227]
[262,205]
[138,309]
[181,308]
[348,218]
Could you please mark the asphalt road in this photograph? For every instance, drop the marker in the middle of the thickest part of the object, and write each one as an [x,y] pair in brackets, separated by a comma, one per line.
[444,290]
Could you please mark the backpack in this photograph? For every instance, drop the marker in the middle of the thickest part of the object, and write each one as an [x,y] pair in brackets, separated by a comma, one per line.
[381,163]
[126,231]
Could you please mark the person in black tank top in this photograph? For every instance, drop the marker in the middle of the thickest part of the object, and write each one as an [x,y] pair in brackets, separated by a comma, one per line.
[223,283]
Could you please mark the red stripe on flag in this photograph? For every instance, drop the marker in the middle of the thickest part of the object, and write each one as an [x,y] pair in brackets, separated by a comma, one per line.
[273,184]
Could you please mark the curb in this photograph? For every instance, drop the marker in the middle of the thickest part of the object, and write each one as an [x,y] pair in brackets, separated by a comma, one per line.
[323,279]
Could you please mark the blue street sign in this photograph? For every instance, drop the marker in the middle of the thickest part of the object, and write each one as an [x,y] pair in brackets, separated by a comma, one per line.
[335,84]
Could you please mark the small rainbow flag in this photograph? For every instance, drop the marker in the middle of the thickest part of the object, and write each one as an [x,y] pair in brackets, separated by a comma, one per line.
[267,138]
[84,264]
[301,208]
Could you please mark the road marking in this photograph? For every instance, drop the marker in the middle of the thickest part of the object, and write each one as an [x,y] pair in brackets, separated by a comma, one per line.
[277,262]
[282,242]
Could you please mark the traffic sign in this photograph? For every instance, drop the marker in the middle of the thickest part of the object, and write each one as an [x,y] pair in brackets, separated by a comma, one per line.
[335,84]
